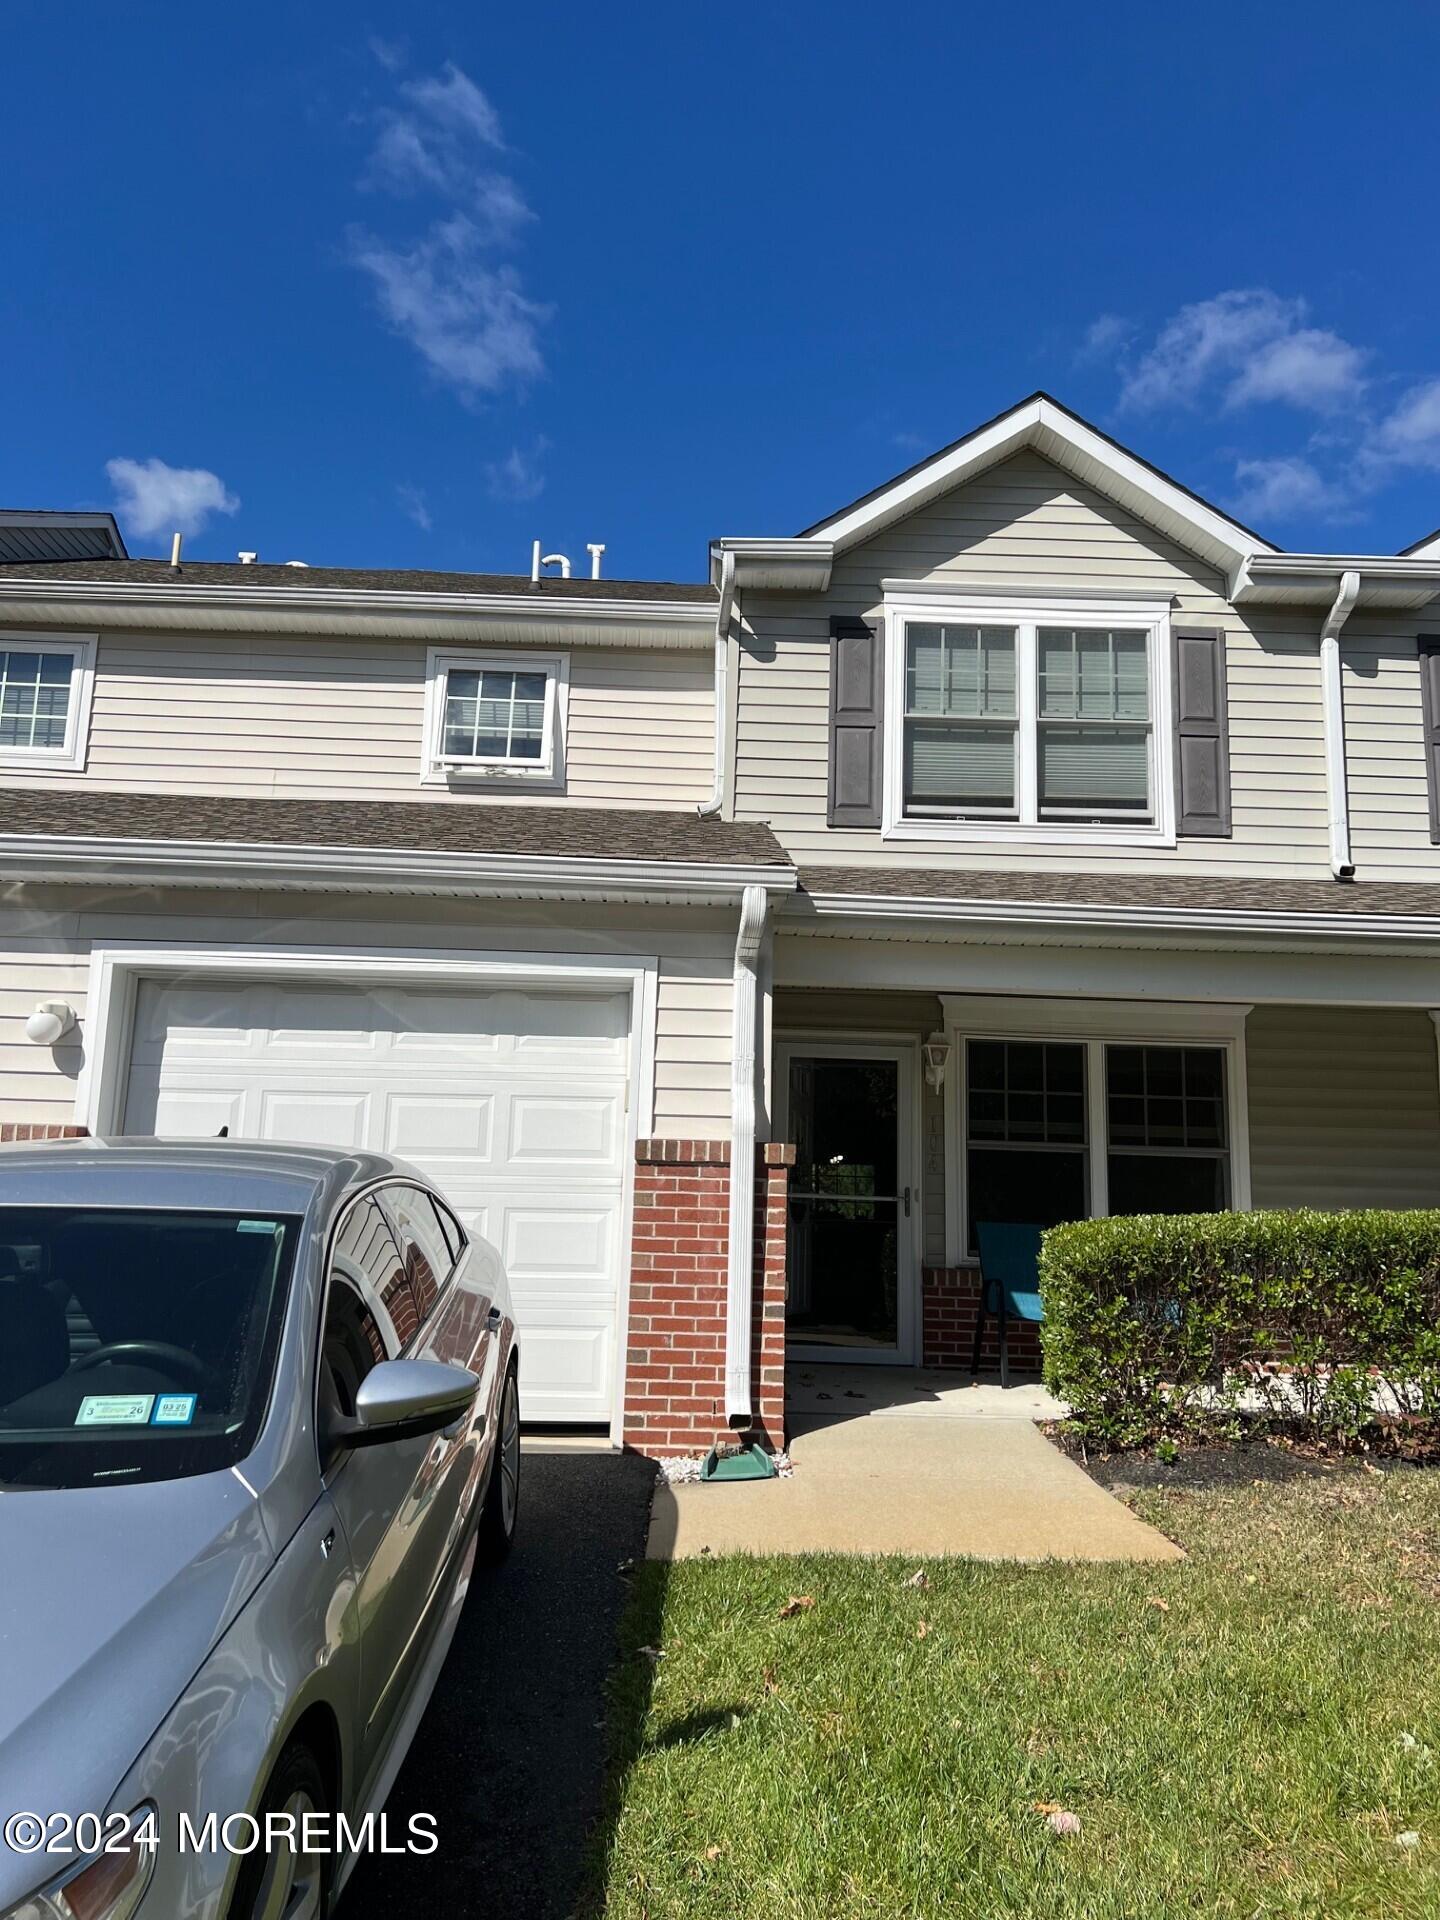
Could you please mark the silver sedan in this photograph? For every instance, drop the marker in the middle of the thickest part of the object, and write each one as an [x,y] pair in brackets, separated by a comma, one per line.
[259,1409]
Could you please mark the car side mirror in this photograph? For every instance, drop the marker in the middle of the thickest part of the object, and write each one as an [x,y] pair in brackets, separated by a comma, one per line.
[399,1399]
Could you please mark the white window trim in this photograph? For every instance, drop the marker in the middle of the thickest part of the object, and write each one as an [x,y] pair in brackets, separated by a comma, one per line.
[69,758]
[547,774]
[1125,1022]
[1026,615]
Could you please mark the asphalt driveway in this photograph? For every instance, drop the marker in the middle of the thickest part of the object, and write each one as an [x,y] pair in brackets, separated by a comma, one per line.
[509,1755]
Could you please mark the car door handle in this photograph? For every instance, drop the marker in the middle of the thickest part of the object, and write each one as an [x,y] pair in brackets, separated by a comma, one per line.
[327,1545]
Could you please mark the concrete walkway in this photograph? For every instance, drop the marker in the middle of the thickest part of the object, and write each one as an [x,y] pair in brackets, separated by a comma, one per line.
[894,1480]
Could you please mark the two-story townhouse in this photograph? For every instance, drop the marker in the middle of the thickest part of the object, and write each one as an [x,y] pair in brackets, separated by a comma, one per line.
[1025,840]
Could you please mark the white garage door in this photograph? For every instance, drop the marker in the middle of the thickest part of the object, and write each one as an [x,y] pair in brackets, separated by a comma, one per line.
[513,1102]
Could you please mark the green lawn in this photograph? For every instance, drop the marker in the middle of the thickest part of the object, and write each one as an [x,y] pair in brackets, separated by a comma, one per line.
[1250,1747]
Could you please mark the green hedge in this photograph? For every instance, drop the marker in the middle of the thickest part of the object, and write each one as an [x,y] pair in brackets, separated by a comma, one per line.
[1166,1325]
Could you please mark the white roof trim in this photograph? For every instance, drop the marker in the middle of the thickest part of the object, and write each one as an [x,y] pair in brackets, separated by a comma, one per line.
[1079,449]
[903,908]
[237,863]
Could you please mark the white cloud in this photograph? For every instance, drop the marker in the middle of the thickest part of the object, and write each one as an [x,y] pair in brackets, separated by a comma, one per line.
[518,475]
[1288,488]
[151,497]
[1106,337]
[414,505]
[392,54]
[1409,435]
[467,317]
[1250,344]
[448,290]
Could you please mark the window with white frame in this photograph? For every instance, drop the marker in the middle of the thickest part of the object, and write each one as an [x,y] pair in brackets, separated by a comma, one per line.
[45,693]
[496,716]
[1059,1129]
[1014,719]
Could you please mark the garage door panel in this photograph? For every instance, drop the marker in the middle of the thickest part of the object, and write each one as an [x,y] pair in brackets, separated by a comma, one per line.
[575,1128]
[513,1102]
[439,1127]
[320,1119]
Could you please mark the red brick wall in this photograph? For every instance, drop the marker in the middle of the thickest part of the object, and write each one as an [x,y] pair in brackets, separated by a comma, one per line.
[950,1298]
[12,1132]
[675,1354]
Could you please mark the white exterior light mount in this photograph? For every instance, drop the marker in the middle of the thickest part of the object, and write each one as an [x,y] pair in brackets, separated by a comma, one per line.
[50,1022]
[936,1054]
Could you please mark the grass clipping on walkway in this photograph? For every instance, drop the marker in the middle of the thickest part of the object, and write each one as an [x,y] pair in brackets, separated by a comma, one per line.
[1255,1731]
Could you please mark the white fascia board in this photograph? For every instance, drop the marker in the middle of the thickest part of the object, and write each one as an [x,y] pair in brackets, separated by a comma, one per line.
[238,863]
[1063,438]
[906,909]
[470,607]
[1314,578]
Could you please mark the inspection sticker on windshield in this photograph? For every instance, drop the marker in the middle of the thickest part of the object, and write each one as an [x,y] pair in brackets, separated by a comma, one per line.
[173,1410]
[115,1410]
[256,1226]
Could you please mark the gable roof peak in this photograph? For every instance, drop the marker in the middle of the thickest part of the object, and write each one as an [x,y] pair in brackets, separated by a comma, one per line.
[1077,446]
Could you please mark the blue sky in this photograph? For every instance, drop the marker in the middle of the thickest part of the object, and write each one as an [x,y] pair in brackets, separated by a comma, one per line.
[411,286]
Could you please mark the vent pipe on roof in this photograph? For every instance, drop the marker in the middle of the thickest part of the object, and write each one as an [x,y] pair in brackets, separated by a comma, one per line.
[175,545]
[248,559]
[594,549]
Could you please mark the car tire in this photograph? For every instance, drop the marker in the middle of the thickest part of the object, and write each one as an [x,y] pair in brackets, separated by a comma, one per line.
[501,1510]
[286,1882]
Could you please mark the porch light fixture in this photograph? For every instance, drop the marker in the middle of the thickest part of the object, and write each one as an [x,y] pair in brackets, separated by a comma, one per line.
[50,1022]
[936,1052]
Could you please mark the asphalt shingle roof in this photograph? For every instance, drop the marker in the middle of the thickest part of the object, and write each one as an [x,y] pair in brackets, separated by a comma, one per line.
[208,573]
[438,826]
[1198,892]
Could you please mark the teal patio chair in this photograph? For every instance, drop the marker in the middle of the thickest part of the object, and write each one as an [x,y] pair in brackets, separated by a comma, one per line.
[1009,1284]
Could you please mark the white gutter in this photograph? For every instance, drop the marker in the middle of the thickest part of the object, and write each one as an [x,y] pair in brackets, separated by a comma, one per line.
[712,806]
[744,1045]
[1197,922]
[1332,701]
[231,862]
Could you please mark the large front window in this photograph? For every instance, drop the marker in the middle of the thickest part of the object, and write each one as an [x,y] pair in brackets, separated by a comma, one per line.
[1040,721]
[1061,1130]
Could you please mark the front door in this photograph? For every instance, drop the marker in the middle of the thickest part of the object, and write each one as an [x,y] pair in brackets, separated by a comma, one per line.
[850,1258]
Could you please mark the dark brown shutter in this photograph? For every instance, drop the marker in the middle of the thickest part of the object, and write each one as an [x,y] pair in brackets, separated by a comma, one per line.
[1202,746]
[1430,711]
[856,699]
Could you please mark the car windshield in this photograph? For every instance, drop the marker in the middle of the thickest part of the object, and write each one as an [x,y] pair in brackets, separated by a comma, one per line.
[135,1344]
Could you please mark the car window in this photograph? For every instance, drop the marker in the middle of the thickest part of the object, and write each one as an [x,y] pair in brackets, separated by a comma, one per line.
[428,1259]
[366,1256]
[135,1344]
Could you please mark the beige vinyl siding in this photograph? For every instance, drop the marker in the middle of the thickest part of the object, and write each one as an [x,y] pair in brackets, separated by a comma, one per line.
[831,1015]
[1344,1108]
[1027,523]
[343,719]
[1385,749]
[45,954]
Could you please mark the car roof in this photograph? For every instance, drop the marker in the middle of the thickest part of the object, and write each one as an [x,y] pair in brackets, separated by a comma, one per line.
[218,1174]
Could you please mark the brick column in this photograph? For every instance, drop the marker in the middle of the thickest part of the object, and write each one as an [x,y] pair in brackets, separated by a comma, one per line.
[14,1132]
[675,1350]
[950,1300]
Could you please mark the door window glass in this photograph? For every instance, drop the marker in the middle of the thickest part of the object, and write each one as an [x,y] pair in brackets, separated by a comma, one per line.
[367,1256]
[423,1242]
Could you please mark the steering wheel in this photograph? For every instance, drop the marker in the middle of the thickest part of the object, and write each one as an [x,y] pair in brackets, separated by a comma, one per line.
[174,1359]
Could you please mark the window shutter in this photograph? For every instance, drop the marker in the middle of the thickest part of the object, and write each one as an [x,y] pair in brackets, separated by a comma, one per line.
[1202,746]
[855,732]
[1430,710]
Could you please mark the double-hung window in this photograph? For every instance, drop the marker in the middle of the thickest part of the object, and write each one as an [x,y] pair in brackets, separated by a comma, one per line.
[1068,1125]
[45,693]
[494,716]
[1040,721]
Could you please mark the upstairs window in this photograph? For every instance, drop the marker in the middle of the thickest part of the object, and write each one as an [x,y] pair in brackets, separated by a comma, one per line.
[495,717]
[45,691]
[1038,722]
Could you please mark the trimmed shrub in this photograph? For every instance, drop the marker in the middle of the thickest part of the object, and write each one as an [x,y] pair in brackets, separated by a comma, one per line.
[1189,1325]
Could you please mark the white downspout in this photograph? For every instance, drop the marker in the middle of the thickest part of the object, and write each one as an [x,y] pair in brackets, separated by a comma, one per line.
[1332,704]
[739,1410]
[722,699]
